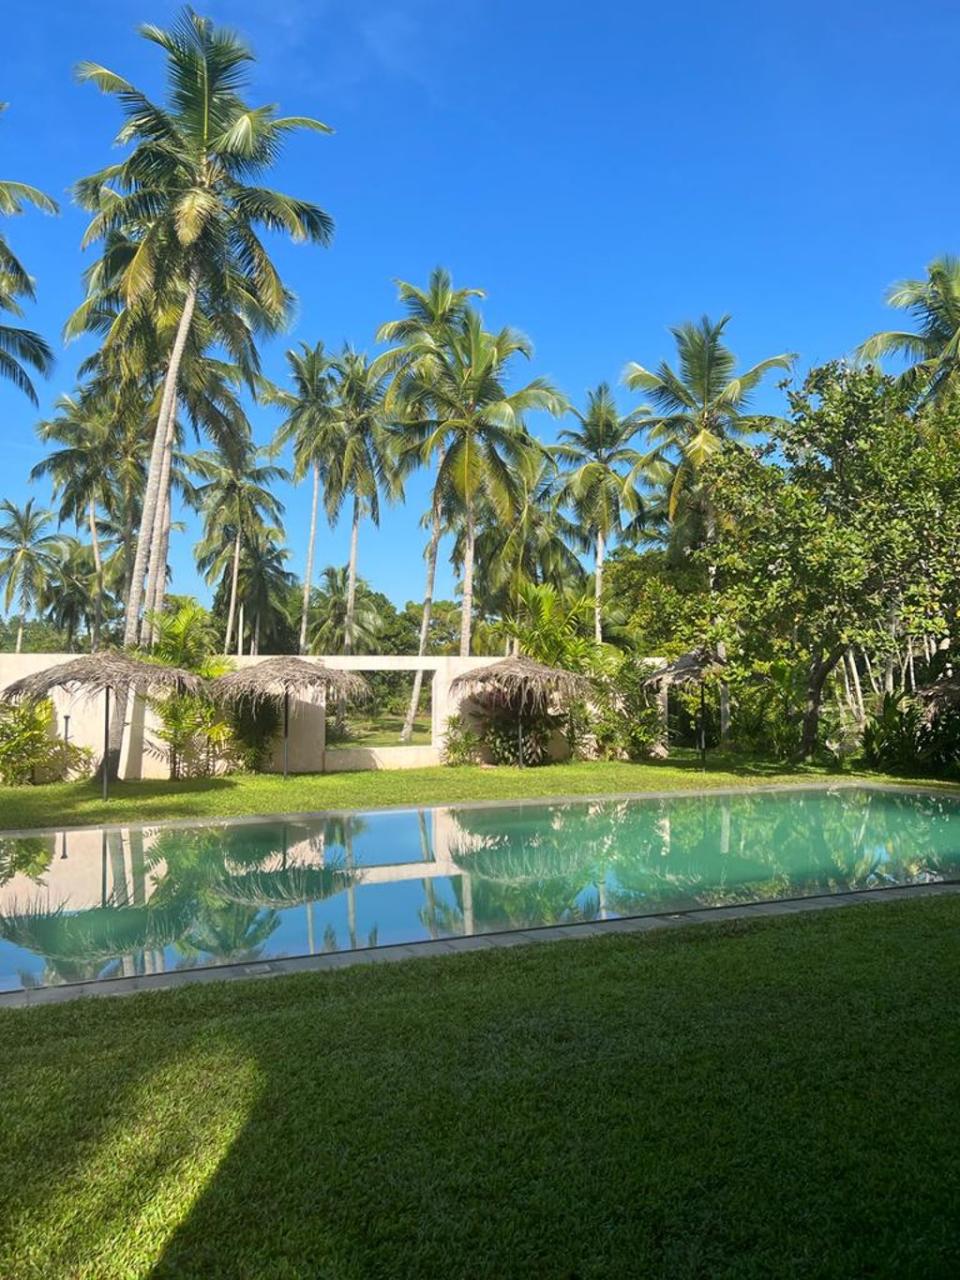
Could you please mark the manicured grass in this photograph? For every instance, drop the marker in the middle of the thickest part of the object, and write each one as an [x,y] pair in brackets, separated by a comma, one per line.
[384,731]
[775,1098]
[76,803]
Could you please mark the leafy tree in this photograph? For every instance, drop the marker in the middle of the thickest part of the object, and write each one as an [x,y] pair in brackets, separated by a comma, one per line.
[20,347]
[185,201]
[699,406]
[846,520]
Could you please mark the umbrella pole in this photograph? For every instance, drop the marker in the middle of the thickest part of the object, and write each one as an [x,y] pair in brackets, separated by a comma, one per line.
[286,730]
[106,738]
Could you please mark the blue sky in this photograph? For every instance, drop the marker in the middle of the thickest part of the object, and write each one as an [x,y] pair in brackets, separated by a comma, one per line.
[602,170]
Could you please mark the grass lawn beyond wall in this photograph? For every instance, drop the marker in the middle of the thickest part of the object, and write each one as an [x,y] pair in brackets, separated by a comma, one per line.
[77,803]
[767,1099]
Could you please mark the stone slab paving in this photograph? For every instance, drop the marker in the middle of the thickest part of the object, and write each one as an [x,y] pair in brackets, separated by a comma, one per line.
[454,946]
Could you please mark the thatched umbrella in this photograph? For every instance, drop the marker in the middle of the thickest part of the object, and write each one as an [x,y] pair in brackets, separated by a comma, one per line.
[97,934]
[277,678]
[284,887]
[104,672]
[522,683]
[696,665]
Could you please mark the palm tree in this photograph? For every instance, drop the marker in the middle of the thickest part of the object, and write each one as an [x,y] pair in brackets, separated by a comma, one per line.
[19,347]
[703,404]
[699,407]
[532,548]
[264,587]
[362,464]
[184,199]
[236,501]
[454,396]
[28,556]
[72,597]
[600,480]
[329,630]
[436,312]
[311,427]
[81,474]
[934,349]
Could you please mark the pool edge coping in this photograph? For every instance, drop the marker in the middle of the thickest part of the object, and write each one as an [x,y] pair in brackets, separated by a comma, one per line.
[329,962]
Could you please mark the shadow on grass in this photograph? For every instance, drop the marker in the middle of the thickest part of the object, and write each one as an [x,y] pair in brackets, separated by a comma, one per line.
[709,1104]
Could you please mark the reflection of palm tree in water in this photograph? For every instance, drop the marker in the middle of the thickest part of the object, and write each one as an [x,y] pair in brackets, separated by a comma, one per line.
[228,932]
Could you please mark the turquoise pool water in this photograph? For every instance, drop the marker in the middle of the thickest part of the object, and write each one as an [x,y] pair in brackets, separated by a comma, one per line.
[82,905]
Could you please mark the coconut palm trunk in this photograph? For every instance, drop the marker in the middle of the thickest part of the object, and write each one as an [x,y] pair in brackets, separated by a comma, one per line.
[152,494]
[159,540]
[352,579]
[19,648]
[98,567]
[598,589]
[234,581]
[466,604]
[308,575]
[407,731]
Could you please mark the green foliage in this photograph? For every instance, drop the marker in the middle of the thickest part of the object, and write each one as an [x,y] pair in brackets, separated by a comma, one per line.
[29,752]
[623,720]
[901,736]
[526,740]
[461,745]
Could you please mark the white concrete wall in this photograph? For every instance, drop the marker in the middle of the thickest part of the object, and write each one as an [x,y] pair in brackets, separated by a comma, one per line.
[143,757]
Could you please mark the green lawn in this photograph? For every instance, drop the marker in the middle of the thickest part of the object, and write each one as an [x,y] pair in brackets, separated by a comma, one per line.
[384,731]
[76,803]
[776,1098]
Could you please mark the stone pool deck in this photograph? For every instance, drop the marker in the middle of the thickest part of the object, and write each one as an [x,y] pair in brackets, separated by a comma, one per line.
[30,998]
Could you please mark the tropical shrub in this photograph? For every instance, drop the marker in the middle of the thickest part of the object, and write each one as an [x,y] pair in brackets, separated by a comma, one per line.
[29,751]
[461,745]
[511,742]
[901,736]
[623,721]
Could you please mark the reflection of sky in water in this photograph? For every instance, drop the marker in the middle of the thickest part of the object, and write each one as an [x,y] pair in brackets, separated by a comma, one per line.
[235,892]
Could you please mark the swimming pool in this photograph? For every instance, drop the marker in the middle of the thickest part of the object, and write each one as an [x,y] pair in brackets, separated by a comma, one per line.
[82,905]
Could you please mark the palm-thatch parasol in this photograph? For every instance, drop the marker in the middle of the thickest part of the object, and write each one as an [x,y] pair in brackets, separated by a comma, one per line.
[697,665]
[522,683]
[285,887]
[278,678]
[100,673]
[98,934]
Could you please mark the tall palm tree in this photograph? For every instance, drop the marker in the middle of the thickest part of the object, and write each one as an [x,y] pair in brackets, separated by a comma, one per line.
[702,403]
[28,555]
[436,311]
[362,465]
[184,198]
[697,407]
[534,547]
[934,348]
[237,502]
[311,428]
[329,612]
[19,347]
[600,479]
[264,587]
[72,599]
[454,394]
[81,471]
